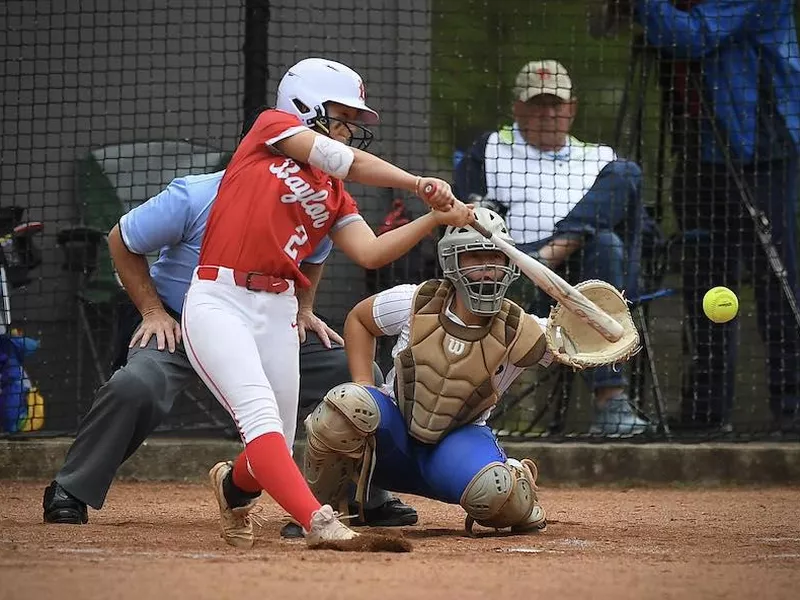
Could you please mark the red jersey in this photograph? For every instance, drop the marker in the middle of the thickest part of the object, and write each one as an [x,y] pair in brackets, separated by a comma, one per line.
[270,211]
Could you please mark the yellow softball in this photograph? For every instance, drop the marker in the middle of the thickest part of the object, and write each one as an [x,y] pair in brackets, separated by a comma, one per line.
[720,304]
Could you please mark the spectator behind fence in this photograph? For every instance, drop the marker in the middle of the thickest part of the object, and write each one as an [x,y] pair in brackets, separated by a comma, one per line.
[573,205]
[737,60]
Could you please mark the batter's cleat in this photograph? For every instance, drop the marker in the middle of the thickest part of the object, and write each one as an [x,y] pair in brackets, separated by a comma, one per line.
[326,527]
[236,524]
[393,513]
[59,506]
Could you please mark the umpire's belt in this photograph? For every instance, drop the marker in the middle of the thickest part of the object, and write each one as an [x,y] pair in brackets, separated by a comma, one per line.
[257,282]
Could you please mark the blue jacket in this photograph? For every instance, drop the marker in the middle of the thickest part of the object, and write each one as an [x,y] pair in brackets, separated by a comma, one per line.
[748,53]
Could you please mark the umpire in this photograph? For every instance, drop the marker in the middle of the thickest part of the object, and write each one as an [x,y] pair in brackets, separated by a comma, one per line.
[151,365]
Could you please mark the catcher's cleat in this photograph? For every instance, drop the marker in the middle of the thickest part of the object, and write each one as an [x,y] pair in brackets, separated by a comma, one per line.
[537,520]
[292,531]
[538,523]
[503,495]
[326,527]
[393,513]
[236,524]
[59,506]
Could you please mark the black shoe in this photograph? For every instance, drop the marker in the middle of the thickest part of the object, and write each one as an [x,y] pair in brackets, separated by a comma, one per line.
[390,514]
[61,507]
[292,531]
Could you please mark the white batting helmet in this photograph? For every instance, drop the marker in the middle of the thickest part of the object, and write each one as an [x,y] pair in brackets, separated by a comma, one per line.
[309,84]
[483,297]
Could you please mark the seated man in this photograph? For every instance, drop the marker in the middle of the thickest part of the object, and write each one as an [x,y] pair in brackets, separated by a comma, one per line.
[152,368]
[460,345]
[572,205]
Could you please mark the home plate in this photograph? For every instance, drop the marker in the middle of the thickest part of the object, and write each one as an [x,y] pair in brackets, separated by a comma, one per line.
[527,550]
[576,543]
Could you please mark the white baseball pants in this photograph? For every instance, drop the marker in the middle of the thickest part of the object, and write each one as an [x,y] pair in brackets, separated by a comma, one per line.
[244,346]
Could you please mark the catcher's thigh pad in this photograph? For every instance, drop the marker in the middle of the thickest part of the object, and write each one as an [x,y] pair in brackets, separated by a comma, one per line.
[340,434]
[504,495]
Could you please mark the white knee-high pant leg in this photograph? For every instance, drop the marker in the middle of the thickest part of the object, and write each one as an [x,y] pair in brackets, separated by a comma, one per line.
[244,346]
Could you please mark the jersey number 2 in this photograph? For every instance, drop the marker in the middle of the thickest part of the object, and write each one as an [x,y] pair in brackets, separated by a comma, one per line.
[298,238]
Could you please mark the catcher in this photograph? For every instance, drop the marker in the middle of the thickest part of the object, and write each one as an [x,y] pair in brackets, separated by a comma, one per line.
[460,345]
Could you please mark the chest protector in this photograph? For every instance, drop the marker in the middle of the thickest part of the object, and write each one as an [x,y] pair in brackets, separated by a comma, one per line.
[444,378]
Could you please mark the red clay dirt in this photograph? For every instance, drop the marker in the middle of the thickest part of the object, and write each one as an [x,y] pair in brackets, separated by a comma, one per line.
[161,540]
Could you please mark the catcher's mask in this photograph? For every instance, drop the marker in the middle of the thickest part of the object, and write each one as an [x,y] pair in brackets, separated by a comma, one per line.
[483,296]
[309,86]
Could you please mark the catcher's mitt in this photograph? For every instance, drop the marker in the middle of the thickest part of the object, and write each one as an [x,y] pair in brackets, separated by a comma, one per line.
[575,343]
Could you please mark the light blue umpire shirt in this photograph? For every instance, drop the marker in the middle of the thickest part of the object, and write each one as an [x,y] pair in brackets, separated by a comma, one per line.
[172,223]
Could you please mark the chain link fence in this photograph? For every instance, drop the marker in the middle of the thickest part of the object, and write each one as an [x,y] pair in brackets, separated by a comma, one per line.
[681,111]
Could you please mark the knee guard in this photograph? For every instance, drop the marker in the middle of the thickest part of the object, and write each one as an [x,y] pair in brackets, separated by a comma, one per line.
[340,437]
[504,495]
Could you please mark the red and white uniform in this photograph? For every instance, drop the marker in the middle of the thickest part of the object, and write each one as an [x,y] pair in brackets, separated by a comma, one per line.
[270,212]
[239,317]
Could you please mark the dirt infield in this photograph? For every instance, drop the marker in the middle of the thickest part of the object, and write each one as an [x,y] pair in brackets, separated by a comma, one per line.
[161,541]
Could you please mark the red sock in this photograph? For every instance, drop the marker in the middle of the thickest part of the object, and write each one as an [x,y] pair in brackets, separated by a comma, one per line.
[276,471]
[242,478]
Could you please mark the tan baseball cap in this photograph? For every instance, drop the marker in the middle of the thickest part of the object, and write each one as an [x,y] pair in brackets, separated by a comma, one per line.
[543,77]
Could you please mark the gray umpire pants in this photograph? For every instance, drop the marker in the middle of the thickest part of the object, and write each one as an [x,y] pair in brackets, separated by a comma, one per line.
[141,393]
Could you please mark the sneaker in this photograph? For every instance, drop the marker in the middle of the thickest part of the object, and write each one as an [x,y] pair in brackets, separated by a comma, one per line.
[618,418]
[325,526]
[59,506]
[236,524]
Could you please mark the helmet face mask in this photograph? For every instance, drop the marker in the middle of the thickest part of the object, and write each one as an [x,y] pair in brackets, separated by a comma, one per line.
[358,135]
[308,88]
[482,286]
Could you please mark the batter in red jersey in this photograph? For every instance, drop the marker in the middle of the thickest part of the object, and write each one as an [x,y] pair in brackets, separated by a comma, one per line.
[281,194]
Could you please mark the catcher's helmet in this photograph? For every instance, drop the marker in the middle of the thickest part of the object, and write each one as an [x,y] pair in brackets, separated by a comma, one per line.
[309,84]
[483,297]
